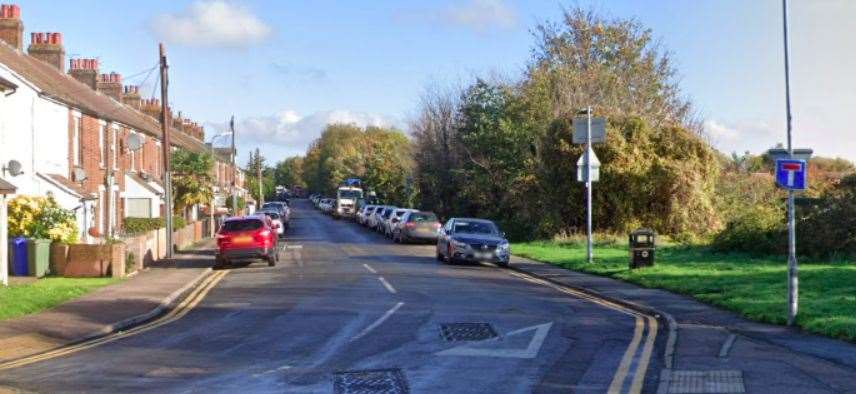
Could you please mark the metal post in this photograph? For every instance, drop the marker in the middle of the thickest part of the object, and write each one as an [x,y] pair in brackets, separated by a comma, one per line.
[234,170]
[588,187]
[259,177]
[793,268]
[167,150]
[211,202]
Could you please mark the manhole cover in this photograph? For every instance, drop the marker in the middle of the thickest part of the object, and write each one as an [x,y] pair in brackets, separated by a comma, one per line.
[377,381]
[701,382]
[453,332]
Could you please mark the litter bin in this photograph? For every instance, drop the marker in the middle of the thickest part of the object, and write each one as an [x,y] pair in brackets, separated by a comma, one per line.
[39,257]
[18,256]
[642,247]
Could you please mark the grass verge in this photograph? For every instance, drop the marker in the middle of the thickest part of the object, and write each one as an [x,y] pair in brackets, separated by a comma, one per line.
[22,299]
[754,287]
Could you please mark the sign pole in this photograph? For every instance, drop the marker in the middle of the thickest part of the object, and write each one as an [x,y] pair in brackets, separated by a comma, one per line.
[588,185]
[793,267]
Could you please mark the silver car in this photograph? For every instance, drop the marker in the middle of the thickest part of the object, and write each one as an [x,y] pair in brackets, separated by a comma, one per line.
[376,217]
[390,224]
[417,226]
[363,214]
[472,240]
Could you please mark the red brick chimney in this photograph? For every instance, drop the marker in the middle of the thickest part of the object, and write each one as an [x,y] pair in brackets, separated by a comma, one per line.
[11,27]
[151,107]
[48,48]
[111,85]
[131,96]
[85,70]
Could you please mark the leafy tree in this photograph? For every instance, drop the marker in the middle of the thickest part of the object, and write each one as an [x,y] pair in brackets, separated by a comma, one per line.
[192,179]
[289,172]
[255,162]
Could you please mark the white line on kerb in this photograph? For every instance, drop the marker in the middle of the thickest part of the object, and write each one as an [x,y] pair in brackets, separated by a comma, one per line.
[386,284]
[377,322]
[368,267]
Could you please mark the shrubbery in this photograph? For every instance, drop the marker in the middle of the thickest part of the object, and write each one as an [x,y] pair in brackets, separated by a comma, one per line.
[135,226]
[41,218]
[759,230]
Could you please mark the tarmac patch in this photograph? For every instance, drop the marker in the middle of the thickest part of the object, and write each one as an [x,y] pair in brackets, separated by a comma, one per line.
[702,382]
[386,381]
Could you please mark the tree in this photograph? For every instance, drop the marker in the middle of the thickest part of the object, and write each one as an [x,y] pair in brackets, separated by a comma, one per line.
[192,179]
[289,172]
[255,162]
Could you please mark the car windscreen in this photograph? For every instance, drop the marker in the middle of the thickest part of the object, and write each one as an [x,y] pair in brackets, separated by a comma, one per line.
[272,215]
[388,213]
[369,210]
[473,227]
[232,226]
[350,194]
[420,217]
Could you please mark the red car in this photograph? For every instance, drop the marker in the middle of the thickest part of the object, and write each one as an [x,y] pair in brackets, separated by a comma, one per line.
[243,238]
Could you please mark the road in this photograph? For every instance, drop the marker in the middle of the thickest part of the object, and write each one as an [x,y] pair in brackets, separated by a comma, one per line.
[347,310]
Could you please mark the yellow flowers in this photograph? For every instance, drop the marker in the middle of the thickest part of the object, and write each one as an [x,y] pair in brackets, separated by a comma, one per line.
[41,217]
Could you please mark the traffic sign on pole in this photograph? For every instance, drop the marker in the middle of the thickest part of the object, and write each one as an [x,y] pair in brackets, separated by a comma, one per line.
[791,174]
[598,130]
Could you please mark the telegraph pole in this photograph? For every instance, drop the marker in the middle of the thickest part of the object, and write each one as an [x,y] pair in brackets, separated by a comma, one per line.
[234,170]
[259,175]
[588,185]
[167,149]
[793,268]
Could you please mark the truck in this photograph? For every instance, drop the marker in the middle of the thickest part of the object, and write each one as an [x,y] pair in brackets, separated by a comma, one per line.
[347,198]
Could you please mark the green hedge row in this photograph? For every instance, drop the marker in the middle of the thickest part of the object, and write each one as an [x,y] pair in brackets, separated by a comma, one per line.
[134,226]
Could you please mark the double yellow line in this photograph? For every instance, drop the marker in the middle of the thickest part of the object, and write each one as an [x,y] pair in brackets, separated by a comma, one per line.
[646,328]
[176,313]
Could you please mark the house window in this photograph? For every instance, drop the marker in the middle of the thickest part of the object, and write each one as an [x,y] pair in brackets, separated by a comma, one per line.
[138,208]
[75,143]
[101,132]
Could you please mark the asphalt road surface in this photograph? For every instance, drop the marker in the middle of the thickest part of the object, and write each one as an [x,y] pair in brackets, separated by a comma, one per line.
[346,310]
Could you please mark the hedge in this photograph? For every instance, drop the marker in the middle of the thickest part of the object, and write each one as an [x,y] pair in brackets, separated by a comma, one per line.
[135,226]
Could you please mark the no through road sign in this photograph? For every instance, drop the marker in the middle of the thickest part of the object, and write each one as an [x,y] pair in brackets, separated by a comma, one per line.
[791,174]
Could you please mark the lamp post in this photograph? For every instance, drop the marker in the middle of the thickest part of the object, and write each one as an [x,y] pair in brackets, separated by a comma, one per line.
[211,227]
[793,268]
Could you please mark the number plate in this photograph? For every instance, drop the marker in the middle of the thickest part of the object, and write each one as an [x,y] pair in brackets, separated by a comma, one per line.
[483,255]
[243,240]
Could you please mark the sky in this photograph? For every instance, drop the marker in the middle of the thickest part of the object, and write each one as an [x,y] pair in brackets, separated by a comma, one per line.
[284,69]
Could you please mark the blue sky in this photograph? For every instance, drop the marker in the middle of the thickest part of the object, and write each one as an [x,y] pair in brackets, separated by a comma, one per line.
[285,68]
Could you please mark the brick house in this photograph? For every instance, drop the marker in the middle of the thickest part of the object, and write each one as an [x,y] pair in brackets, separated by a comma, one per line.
[70,132]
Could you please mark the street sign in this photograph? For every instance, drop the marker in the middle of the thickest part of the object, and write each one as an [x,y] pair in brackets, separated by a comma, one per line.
[595,167]
[598,130]
[791,174]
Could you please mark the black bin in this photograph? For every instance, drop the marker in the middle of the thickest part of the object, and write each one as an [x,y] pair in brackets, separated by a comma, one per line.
[643,245]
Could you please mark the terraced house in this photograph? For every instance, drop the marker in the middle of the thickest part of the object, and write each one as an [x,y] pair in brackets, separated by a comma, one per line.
[70,133]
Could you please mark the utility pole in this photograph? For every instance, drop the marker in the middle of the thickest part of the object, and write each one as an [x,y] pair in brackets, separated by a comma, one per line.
[167,149]
[259,175]
[588,185]
[793,268]
[234,170]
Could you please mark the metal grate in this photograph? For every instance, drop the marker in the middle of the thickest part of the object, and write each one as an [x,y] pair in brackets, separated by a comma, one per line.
[454,332]
[702,382]
[377,381]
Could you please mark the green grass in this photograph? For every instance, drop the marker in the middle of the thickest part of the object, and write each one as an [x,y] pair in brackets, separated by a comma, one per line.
[23,299]
[754,287]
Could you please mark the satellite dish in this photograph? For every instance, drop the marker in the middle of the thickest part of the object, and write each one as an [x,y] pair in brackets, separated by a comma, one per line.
[134,142]
[14,168]
[79,174]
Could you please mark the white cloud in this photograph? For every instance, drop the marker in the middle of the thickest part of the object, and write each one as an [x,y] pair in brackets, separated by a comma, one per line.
[287,133]
[482,14]
[478,15]
[755,135]
[214,23]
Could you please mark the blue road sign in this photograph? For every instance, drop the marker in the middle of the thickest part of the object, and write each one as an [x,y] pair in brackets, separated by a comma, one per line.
[791,174]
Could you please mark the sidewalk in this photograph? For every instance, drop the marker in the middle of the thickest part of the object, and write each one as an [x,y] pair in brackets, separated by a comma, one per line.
[106,310]
[759,358]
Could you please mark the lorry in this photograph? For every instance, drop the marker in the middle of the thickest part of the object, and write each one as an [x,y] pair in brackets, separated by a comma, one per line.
[347,198]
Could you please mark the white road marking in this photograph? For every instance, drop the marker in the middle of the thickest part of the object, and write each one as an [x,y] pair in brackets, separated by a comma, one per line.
[387,285]
[294,246]
[477,349]
[726,346]
[377,322]
[368,267]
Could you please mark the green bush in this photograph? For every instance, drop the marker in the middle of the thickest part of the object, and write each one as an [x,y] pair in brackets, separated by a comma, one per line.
[827,226]
[756,231]
[135,226]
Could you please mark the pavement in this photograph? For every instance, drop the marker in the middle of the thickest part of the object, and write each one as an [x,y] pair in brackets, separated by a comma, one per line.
[103,311]
[346,310]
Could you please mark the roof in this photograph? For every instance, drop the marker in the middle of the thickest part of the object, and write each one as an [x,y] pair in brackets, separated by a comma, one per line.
[6,84]
[142,182]
[61,87]
[64,183]
[6,187]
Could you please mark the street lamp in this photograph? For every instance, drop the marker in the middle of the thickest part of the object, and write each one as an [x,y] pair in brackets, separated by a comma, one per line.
[211,204]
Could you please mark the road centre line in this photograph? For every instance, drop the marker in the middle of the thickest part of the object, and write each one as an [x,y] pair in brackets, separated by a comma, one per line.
[175,314]
[386,284]
[377,322]
[626,361]
[368,267]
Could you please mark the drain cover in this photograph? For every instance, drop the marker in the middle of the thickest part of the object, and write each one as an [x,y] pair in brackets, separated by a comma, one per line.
[376,381]
[453,332]
[702,382]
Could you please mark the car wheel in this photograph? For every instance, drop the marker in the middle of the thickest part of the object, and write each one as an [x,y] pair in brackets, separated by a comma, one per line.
[450,256]
[502,264]
[271,260]
[440,257]
[220,263]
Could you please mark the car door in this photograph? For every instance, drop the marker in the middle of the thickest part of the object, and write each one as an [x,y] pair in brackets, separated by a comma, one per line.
[443,239]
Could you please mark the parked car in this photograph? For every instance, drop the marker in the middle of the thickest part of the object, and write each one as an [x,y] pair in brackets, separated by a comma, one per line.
[242,238]
[363,214]
[383,217]
[276,219]
[376,216]
[326,205]
[280,207]
[417,226]
[390,224]
[474,240]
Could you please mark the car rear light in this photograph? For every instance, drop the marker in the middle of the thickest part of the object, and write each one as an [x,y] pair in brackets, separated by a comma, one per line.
[410,225]
[436,225]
